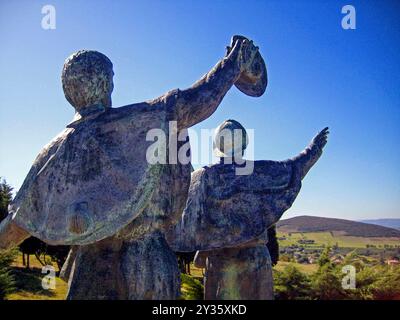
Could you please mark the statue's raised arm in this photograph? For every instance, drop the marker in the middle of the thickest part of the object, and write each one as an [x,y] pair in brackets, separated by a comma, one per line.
[197,103]
[310,155]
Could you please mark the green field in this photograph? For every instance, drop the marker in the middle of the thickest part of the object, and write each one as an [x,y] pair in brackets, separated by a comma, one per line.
[29,282]
[332,238]
[29,287]
[306,268]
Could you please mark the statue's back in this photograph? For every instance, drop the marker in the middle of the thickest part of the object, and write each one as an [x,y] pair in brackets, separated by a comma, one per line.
[95,170]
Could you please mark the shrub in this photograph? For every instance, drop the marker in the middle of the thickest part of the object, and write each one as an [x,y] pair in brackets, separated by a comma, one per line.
[7,281]
[191,288]
[327,283]
[387,286]
[291,284]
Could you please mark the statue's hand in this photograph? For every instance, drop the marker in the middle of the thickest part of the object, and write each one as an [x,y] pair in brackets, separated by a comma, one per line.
[248,52]
[310,155]
[244,51]
[321,138]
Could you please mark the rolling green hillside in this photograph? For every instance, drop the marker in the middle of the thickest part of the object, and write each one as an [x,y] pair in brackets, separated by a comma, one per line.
[335,238]
[309,224]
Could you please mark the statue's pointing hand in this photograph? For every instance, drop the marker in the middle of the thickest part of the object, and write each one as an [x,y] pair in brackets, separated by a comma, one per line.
[310,155]
[321,138]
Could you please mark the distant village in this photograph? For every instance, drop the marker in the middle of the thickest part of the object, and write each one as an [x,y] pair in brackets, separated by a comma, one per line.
[307,251]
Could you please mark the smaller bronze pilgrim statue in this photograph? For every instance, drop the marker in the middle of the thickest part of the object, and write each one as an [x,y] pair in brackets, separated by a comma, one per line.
[227,215]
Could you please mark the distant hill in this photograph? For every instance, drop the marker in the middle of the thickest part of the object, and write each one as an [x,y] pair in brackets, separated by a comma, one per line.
[348,227]
[390,223]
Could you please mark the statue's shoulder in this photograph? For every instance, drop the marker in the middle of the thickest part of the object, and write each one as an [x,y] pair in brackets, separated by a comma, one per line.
[141,110]
[132,119]
[49,149]
[150,111]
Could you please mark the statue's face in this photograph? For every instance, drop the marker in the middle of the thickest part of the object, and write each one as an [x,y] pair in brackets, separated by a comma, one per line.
[87,79]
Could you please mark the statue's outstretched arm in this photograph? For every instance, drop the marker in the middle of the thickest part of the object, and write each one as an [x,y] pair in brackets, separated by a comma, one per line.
[310,155]
[197,103]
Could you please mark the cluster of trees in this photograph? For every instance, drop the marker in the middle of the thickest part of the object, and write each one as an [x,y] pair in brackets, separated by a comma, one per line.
[371,282]
[7,281]
[5,198]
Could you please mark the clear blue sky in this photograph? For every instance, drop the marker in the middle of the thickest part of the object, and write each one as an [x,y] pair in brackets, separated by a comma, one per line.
[319,75]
